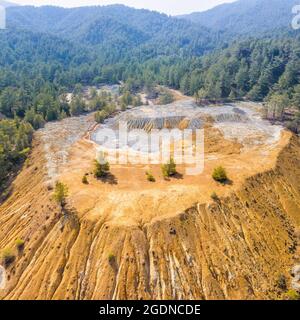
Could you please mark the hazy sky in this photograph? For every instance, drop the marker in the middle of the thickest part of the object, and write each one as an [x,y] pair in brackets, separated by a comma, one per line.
[168,6]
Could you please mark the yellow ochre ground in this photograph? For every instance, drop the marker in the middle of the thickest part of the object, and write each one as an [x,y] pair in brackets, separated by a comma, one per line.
[128,238]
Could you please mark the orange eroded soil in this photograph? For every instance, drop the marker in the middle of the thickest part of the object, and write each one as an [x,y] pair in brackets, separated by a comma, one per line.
[130,199]
[127,238]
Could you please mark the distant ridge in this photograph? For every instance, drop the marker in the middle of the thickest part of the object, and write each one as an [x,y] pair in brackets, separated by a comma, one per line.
[115,26]
[246,16]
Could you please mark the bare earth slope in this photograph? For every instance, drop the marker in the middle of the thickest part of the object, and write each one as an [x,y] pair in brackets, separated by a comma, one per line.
[130,239]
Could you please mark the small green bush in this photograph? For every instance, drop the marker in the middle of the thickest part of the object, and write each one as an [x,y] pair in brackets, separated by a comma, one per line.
[169,169]
[214,196]
[220,175]
[85,180]
[24,152]
[166,97]
[60,193]
[100,116]
[101,169]
[8,257]
[292,295]
[111,258]
[150,176]
[27,163]
[20,244]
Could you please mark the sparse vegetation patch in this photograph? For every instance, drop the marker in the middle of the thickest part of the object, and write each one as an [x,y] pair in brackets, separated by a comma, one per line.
[8,257]
[60,193]
[169,169]
[20,244]
[220,175]
[150,176]
[102,168]
[85,180]
[215,197]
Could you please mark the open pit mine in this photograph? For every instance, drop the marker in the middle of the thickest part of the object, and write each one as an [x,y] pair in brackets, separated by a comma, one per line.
[128,238]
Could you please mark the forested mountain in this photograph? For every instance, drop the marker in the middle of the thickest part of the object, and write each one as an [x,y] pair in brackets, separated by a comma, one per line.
[52,49]
[256,69]
[115,26]
[73,22]
[48,51]
[246,17]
